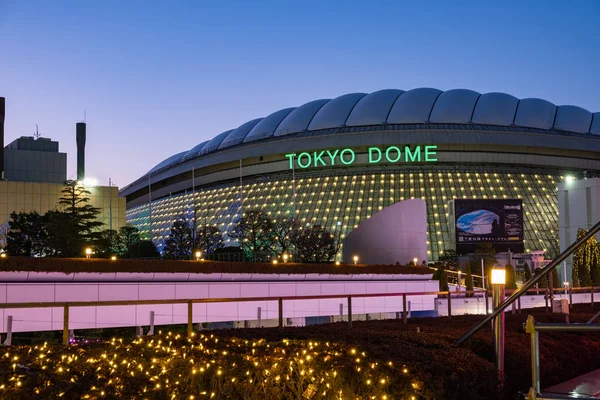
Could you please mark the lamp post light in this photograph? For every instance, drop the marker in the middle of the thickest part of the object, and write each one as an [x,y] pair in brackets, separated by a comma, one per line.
[3,255]
[198,255]
[355,258]
[113,258]
[88,252]
[498,281]
[337,263]
[285,258]
[274,261]
[415,260]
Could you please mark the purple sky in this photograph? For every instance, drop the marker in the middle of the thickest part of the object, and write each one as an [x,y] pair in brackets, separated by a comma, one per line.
[159,77]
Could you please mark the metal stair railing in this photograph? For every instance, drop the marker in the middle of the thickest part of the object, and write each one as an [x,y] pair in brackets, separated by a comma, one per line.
[529,284]
[533,328]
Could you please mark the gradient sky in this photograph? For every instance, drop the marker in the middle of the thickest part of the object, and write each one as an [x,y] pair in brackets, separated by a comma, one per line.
[158,77]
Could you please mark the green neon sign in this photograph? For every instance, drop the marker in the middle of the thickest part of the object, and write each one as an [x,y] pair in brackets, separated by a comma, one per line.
[391,154]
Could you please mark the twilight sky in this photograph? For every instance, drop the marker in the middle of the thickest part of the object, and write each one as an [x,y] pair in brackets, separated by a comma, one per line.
[159,77]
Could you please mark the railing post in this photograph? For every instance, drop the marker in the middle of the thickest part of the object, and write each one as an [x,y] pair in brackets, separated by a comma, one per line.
[487,302]
[546,299]
[535,359]
[592,294]
[519,304]
[9,322]
[190,315]
[449,304]
[280,313]
[151,330]
[570,298]
[404,310]
[259,317]
[349,311]
[66,325]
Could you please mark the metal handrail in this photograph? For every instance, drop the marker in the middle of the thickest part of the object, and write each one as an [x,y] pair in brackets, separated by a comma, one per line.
[535,279]
[533,328]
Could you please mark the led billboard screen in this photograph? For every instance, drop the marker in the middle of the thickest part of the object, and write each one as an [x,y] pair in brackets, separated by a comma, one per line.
[498,222]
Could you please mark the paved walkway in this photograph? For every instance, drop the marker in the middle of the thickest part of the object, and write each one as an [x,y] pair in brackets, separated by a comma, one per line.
[587,385]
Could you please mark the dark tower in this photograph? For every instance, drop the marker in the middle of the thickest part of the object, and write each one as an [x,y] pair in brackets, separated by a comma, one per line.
[80,150]
[2,115]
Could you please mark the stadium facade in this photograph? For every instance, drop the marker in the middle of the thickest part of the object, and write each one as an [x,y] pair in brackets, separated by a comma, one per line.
[336,162]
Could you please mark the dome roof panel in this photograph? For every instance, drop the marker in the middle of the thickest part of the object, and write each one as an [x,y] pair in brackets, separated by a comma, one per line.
[170,160]
[374,108]
[194,151]
[267,126]
[413,106]
[335,113]
[454,107]
[595,129]
[214,143]
[237,135]
[298,120]
[495,109]
[573,119]
[535,113]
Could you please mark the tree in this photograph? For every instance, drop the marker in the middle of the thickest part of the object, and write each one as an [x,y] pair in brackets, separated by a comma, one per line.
[143,249]
[26,235]
[62,238]
[585,260]
[468,279]
[129,238]
[555,279]
[254,234]
[74,202]
[107,244]
[441,275]
[526,271]
[510,277]
[315,244]
[208,239]
[178,245]
[450,259]
[283,232]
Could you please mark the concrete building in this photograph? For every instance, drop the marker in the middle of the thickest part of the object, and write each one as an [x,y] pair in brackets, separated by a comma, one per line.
[27,159]
[579,207]
[43,197]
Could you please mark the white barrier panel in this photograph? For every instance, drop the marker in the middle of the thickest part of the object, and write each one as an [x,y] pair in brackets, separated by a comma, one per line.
[42,319]
[476,305]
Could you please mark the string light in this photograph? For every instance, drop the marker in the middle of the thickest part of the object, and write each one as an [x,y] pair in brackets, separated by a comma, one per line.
[175,367]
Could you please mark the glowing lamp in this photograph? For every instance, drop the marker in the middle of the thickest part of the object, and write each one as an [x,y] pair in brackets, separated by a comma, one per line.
[113,258]
[415,260]
[198,255]
[274,262]
[3,255]
[498,275]
[337,263]
[285,258]
[569,179]
[355,258]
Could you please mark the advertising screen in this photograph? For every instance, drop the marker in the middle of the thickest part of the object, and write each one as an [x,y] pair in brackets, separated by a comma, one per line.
[498,222]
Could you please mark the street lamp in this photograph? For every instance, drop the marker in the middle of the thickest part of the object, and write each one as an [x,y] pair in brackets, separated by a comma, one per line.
[355,258]
[198,255]
[88,252]
[498,281]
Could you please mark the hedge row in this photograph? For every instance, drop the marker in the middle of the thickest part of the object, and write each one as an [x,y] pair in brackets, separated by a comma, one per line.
[71,265]
[461,372]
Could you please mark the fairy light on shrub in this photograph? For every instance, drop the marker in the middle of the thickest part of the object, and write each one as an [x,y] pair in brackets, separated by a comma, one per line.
[172,366]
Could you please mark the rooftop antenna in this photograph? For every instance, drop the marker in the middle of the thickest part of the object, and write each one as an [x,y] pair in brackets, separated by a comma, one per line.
[37,132]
